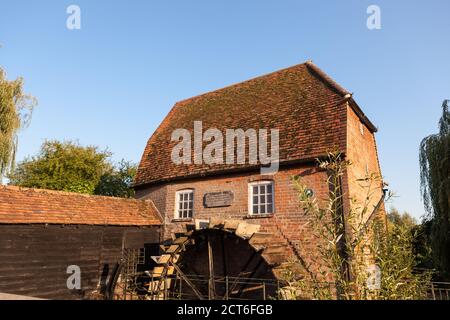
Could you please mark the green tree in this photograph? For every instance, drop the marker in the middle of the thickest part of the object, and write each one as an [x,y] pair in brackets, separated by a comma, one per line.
[15,113]
[118,182]
[419,234]
[71,167]
[397,259]
[435,188]
[422,246]
[401,219]
[63,166]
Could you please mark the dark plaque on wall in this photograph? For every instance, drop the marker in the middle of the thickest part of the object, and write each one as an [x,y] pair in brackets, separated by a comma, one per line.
[218,199]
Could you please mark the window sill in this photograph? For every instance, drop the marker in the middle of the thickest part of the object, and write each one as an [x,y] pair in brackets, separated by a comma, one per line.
[182,220]
[259,216]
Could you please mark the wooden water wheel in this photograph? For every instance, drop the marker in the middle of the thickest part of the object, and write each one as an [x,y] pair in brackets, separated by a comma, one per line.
[220,259]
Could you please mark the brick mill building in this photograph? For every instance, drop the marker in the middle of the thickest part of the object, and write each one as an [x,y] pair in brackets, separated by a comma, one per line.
[236,205]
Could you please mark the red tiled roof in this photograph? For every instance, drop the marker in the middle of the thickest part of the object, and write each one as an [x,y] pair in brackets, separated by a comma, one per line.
[24,205]
[306,105]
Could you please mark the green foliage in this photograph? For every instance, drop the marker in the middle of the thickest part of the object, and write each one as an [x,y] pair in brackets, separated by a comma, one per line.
[63,166]
[299,288]
[420,237]
[15,113]
[70,167]
[435,188]
[117,183]
[401,219]
[394,253]
[422,247]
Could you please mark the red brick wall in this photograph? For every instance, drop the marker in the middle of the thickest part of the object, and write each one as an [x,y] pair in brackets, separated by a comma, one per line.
[362,151]
[288,217]
[157,194]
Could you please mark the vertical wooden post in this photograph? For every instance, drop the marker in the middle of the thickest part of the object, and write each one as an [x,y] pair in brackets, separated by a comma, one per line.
[264,290]
[278,289]
[226,287]
[211,284]
[181,287]
[224,256]
[165,289]
[125,282]
[152,287]
[432,291]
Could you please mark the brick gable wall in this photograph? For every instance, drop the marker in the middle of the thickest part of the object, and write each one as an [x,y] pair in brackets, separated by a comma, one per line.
[362,151]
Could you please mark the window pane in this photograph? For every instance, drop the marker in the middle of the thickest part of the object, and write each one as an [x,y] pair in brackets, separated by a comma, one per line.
[255,189]
[269,198]
[262,199]
[262,188]
[269,188]
[269,208]
[255,209]
[185,204]
[255,199]
[262,208]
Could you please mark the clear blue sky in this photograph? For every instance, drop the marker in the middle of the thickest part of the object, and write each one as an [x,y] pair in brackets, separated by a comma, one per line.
[112,82]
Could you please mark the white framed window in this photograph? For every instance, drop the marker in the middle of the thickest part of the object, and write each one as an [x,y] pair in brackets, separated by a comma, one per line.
[184,204]
[261,197]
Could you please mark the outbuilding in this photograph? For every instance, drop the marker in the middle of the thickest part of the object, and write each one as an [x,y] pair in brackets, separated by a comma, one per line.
[47,237]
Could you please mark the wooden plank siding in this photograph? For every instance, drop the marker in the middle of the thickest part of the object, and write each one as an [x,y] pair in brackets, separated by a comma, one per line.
[34,257]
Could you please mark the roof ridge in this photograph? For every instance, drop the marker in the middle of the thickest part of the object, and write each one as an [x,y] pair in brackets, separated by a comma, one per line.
[240,83]
[67,193]
[346,94]
[324,76]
